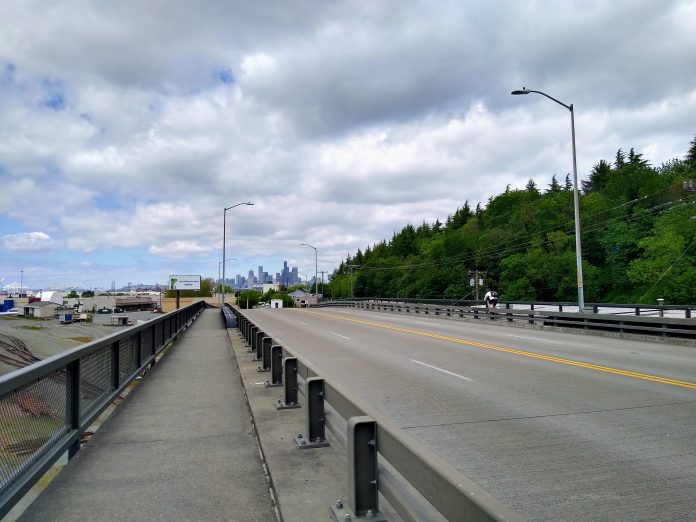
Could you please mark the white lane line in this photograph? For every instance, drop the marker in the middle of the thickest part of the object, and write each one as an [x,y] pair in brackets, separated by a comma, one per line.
[441,370]
[339,335]
[533,338]
[302,323]
[421,322]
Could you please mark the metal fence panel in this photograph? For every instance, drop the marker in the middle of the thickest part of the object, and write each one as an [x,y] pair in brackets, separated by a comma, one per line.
[31,418]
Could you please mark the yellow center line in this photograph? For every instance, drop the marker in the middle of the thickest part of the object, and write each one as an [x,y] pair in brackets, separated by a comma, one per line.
[559,360]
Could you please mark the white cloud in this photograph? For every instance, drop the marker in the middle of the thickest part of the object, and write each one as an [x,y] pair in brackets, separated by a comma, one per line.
[177,249]
[127,129]
[28,242]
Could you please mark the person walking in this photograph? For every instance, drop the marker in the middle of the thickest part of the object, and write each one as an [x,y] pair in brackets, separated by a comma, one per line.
[491,299]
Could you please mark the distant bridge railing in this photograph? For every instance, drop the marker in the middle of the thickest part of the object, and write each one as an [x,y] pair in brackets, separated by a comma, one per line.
[47,406]
[546,314]
[675,311]
[416,482]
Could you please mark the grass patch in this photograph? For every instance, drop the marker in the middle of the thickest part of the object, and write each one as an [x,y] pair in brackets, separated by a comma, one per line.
[30,327]
[82,339]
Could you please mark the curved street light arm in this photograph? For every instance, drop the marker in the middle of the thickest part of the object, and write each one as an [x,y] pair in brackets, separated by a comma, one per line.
[524,90]
[224,236]
[316,284]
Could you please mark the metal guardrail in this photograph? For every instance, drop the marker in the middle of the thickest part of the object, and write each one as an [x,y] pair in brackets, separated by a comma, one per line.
[47,406]
[405,464]
[622,324]
[659,310]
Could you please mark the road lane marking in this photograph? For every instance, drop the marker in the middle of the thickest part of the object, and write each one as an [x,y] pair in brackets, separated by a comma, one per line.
[423,322]
[305,324]
[549,358]
[339,335]
[533,338]
[440,370]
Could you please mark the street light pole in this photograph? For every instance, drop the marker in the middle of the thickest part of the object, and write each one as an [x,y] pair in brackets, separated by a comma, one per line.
[316,284]
[220,264]
[21,282]
[576,196]
[224,235]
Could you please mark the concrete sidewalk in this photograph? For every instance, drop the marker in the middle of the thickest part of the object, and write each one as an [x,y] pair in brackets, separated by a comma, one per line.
[181,447]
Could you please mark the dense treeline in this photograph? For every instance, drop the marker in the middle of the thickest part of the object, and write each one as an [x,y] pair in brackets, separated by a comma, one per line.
[638,242]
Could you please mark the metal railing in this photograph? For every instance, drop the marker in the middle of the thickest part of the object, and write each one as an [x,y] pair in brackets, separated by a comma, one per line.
[382,457]
[47,406]
[659,326]
[659,310]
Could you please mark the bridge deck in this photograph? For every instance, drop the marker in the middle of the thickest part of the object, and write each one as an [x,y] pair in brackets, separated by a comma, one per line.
[181,447]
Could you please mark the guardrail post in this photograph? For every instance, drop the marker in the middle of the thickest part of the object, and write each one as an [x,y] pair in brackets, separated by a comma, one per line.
[688,313]
[139,348]
[115,367]
[266,355]
[290,381]
[252,337]
[316,423]
[276,366]
[361,447]
[73,383]
[258,345]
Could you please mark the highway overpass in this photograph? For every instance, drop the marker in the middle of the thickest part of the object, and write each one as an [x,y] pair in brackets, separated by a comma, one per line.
[557,426]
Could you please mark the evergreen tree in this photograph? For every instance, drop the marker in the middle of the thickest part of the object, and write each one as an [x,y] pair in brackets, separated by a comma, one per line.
[598,177]
[568,184]
[636,159]
[554,186]
[531,187]
[620,159]
[690,158]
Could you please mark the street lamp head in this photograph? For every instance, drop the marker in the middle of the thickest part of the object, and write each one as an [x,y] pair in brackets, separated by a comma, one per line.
[523,91]
[248,203]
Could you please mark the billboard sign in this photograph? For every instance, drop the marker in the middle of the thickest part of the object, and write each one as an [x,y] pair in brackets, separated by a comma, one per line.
[184,282]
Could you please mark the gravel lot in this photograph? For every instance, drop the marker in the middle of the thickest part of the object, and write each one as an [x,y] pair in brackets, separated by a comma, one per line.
[47,337]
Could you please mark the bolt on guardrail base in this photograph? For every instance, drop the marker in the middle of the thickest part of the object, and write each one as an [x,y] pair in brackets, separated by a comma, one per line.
[303,443]
[269,384]
[280,405]
[342,513]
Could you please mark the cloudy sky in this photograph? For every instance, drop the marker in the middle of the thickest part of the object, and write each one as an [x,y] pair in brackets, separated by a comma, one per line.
[127,127]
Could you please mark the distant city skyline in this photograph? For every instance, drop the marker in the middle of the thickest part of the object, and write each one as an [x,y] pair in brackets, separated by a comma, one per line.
[288,276]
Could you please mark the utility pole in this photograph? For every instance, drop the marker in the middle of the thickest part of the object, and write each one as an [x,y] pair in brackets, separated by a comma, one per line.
[476,281]
[351,278]
[322,283]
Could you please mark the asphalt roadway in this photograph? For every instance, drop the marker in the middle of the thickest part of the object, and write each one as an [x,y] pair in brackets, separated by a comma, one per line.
[558,426]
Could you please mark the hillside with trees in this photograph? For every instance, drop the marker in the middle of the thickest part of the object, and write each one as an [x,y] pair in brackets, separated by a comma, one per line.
[638,242]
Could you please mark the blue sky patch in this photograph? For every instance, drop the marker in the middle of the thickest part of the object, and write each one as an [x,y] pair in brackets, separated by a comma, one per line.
[225,76]
[7,75]
[55,102]
[54,98]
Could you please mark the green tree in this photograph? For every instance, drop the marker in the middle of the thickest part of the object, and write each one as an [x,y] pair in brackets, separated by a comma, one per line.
[554,186]
[248,298]
[690,157]
[598,177]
